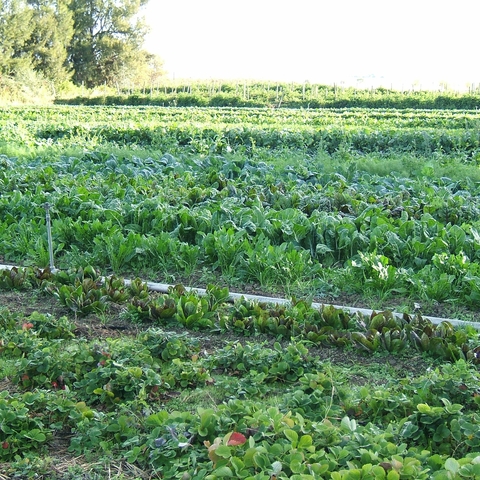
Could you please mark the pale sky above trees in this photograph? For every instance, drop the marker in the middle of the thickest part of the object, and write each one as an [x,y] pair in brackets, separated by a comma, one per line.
[408,42]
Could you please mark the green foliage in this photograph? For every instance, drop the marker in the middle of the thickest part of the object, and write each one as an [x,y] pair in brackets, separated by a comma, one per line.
[52,32]
[152,308]
[116,290]
[46,42]
[83,297]
[223,207]
[34,56]
[105,393]
[20,431]
[105,42]
[16,28]
[13,278]
[168,346]
[46,326]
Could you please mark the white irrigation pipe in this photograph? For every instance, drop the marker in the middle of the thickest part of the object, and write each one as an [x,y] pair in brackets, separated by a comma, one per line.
[49,236]
[164,287]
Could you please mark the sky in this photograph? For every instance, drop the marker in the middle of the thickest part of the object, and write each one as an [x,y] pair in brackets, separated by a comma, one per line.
[392,43]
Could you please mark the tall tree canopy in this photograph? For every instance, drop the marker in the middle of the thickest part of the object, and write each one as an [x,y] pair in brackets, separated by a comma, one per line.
[50,38]
[107,40]
[15,30]
[92,42]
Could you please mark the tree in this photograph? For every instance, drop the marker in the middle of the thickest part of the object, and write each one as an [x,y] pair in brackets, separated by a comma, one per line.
[144,70]
[15,29]
[107,39]
[51,36]
[92,42]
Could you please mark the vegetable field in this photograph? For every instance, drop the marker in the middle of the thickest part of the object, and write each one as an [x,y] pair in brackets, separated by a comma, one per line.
[376,207]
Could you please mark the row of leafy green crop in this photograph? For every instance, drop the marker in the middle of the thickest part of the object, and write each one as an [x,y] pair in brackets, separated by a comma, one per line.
[375,118]
[83,291]
[206,131]
[302,228]
[282,95]
[216,139]
[107,394]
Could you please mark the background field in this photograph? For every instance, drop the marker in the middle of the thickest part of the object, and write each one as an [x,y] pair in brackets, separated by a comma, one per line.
[376,207]
[376,203]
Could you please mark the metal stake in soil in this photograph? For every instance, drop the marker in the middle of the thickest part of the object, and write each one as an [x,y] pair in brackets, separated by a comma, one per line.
[49,236]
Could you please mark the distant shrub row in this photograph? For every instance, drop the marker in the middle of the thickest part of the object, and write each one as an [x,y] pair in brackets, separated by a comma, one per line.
[285,95]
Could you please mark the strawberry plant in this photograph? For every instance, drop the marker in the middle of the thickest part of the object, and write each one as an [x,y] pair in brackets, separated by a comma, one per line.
[46,326]
[168,346]
[20,431]
[8,320]
[437,426]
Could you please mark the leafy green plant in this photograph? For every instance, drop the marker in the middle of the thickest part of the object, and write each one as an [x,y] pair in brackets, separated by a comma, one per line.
[373,203]
[8,320]
[153,307]
[20,430]
[14,278]
[82,298]
[169,346]
[121,250]
[116,290]
[46,326]
[194,312]
[138,288]
[111,382]
[437,426]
